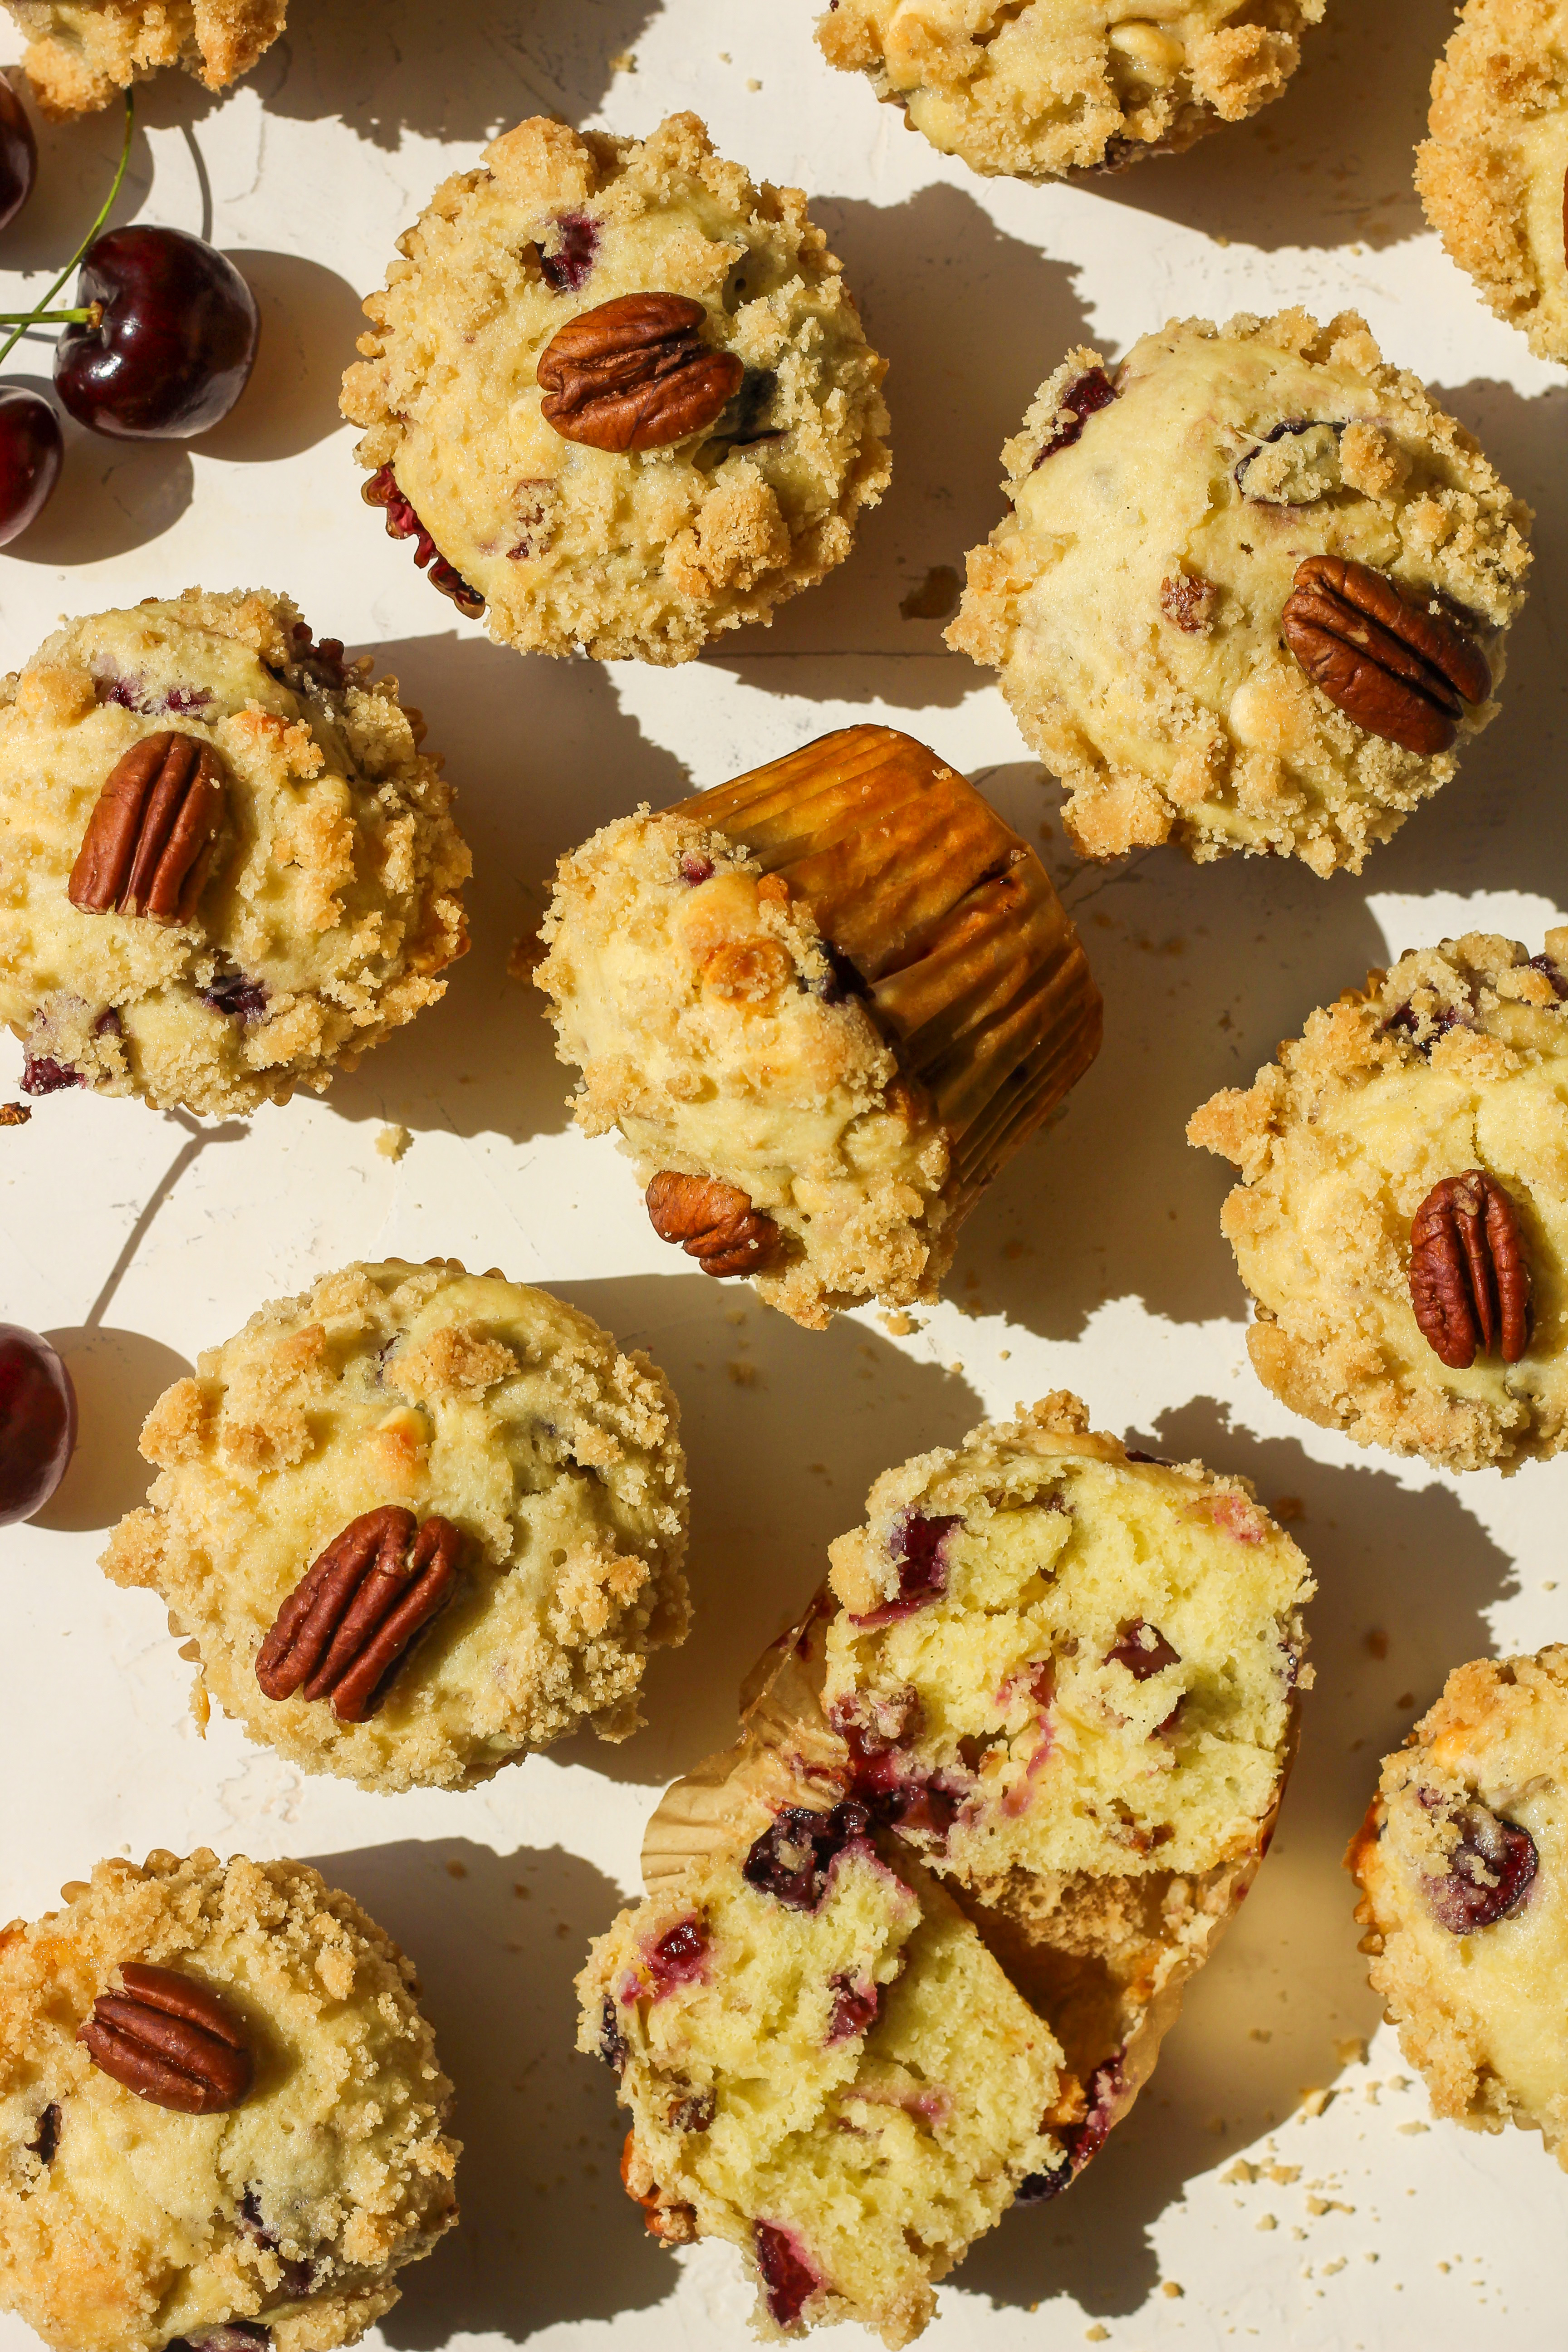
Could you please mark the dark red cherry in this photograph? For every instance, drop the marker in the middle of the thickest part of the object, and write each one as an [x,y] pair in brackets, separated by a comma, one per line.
[31,448]
[18,155]
[174,345]
[37,1422]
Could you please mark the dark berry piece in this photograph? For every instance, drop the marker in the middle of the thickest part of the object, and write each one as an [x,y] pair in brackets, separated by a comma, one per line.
[19,154]
[695,867]
[173,343]
[1551,972]
[917,1547]
[1143,1649]
[298,2277]
[1294,425]
[37,1422]
[566,270]
[854,2007]
[695,2114]
[237,998]
[41,1075]
[47,2138]
[788,2279]
[31,450]
[842,980]
[791,1858]
[1489,1871]
[1040,2186]
[402,522]
[612,2040]
[1080,401]
[678,1957]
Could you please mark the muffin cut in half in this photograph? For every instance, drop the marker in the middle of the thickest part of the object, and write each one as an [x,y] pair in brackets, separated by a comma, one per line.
[1466,1922]
[415,1523]
[1006,1726]
[1402,1218]
[1493,175]
[227,868]
[1037,87]
[1251,592]
[80,52]
[222,2120]
[617,394]
[824,1005]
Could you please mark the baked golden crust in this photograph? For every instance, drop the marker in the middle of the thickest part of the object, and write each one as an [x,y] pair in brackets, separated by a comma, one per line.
[123,2225]
[328,910]
[80,52]
[1453,1059]
[1052,86]
[1493,175]
[1479,2013]
[1132,598]
[469,1398]
[626,556]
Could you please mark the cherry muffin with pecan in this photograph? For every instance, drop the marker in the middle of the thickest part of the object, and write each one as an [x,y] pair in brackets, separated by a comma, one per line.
[1402,1218]
[79,52]
[1493,175]
[823,1005]
[222,2120]
[1467,1923]
[227,868]
[1037,87]
[617,393]
[1251,593]
[825,2066]
[415,1523]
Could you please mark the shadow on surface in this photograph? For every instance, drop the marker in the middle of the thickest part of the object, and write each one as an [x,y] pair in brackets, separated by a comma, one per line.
[1263,2019]
[309,318]
[511,730]
[547,2236]
[939,258]
[784,1431]
[1328,163]
[119,1377]
[447,73]
[112,496]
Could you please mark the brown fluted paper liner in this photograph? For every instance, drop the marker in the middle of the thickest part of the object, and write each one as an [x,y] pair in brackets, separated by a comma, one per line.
[968,956]
[1104,1962]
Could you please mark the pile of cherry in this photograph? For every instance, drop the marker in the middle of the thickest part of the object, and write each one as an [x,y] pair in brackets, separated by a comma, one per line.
[158,345]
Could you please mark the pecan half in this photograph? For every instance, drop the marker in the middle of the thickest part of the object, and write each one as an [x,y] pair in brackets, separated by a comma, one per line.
[171,2040]
[635,373]
[1470,1280]
[348,1623]
[713,1222]
[145,849]
[1397,668]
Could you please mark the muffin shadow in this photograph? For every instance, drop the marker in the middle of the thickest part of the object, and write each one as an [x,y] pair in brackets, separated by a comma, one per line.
[1404,1575]
[1329,163]
[451,74]
[496,1939]
[872,630]
[784,1431]
[540,754]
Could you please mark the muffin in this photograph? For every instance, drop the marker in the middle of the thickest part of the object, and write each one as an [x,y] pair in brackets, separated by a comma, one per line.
[1456,1863]
[227,868]
[619,392]
[824,1005]
[1493,173]
[79,52]
[1039,89]
[1402,1219]
[824,2066]
[414,1523]
[221,2115]
[1251,592]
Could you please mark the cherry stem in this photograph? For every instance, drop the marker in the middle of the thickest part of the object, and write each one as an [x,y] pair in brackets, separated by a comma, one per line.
[93,313]
[42,314]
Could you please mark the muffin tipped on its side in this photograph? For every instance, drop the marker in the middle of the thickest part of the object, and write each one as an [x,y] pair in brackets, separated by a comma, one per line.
[80,52]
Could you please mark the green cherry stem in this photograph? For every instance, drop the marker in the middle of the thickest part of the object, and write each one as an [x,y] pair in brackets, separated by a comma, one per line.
[42,315]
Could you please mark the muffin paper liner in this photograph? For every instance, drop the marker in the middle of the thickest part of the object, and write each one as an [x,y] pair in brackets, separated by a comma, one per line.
[1104,1962]
[965,954]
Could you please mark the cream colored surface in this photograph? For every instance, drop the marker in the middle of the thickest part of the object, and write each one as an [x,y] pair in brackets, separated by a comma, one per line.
[1050,86]
[1492,173]
[334,885]
[470,1397]
[133,2233]
[701,1020]
[647,554]
[882,2154]
[1341,1141]
[81,51]
[1481,2014]
[1214,736]
[1060,1758]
